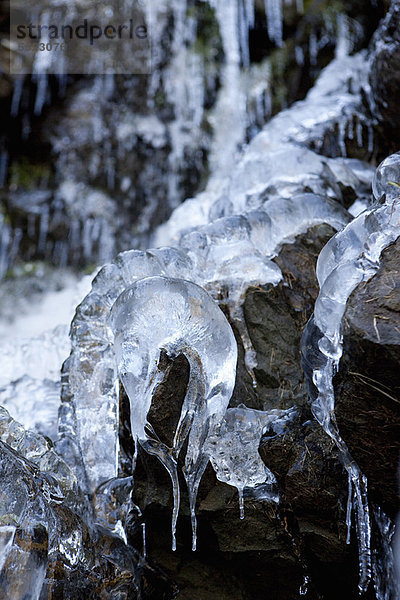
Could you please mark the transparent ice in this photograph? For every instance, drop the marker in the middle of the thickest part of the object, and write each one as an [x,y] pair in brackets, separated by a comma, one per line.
[160,314]
[233,448]
[349,258]
[386,184]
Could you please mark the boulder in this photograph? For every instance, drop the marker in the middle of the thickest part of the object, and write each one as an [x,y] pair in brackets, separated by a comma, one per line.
[368,383]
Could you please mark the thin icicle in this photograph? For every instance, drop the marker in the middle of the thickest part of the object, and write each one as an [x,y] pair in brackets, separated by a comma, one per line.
[274,14]
[241,502]
[348,510]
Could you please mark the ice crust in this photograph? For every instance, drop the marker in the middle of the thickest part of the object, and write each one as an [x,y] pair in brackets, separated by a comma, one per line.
[352,256]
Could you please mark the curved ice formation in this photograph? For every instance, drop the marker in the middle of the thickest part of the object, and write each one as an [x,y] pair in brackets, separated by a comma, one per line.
[349,258]
[160,314]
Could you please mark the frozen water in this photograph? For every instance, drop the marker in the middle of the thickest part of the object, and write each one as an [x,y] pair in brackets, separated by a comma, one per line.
[34,481]
[162,314]
[222,251]
[386,184]
[273,11]
[213,256]
[349,258]
[282,160]
[383,566]
[233,448]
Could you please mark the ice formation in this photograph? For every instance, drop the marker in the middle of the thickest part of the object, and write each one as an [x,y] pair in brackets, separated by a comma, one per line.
[279,189]
[160,314]
[45,523]
[233,449]
[214,257]
[383,560]
[349,258]
[35,481]
[282,160]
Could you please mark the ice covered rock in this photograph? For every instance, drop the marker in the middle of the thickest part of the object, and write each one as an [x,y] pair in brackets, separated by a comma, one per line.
[213,256]
[369,377]
[349,258]
[46,547]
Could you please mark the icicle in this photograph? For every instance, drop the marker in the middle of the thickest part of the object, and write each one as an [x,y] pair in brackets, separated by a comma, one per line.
[243,27]
[385,583]
[343,37]
[370,138]
[144,551]
[17,93]
[313,49]
[41,93]
[350,131]
[299,54]
[363,531]
[274,14]
[348,510]
[359,133]
[342,137]
[241,502]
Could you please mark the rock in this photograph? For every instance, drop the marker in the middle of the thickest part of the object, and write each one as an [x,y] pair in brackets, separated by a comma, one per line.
[385,80]
[368,383]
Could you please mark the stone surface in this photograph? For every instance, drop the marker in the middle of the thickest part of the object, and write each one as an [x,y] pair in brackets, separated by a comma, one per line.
[368,383]
[385,80]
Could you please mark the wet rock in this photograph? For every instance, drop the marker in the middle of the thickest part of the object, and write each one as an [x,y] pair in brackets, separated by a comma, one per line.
[368,383]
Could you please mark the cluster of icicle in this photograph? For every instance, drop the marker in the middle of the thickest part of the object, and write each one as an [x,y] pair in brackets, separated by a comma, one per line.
[280,162]
[352,256]
[163,300]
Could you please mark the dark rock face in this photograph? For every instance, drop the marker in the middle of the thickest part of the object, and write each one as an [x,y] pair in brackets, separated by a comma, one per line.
[274,547]
[385,79]
[368,383]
